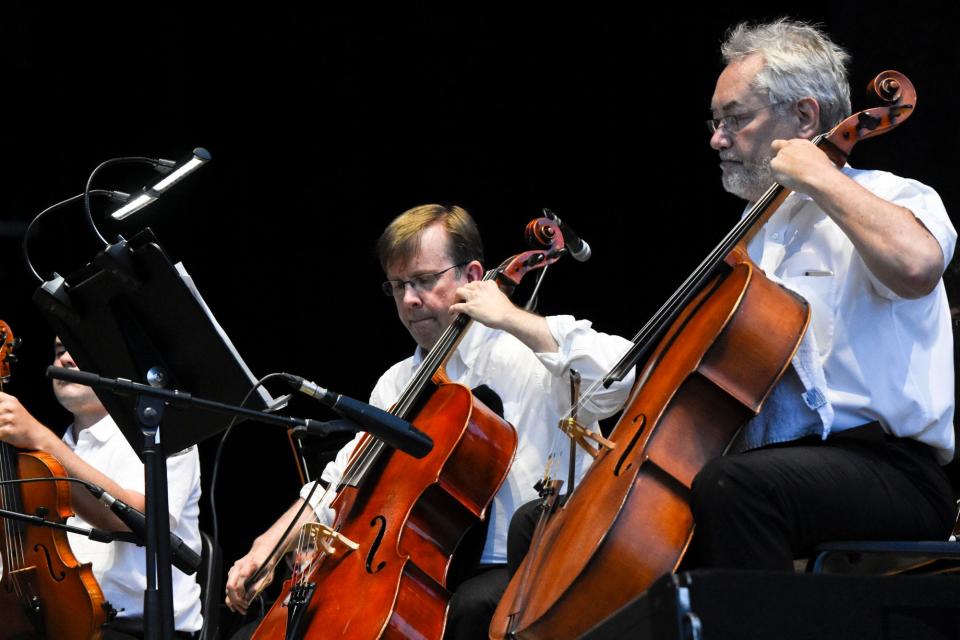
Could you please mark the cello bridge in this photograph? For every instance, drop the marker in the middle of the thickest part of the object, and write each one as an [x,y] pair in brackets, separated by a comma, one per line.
[326,538]
[585,437]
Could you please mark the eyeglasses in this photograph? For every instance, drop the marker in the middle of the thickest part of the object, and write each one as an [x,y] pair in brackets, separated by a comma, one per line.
[736,121]
[423,282]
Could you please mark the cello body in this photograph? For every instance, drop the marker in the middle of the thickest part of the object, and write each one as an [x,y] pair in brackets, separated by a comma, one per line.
[629,521]
[408,525]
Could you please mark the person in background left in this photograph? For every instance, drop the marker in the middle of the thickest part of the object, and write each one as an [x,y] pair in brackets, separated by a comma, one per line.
[95,450]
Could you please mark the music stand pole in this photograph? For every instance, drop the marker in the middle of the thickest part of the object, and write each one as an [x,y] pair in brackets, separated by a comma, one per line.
[158,621]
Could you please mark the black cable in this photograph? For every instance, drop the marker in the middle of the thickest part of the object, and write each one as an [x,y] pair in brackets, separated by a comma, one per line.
[216,458]
[88,485]
[113,195]
[118,536]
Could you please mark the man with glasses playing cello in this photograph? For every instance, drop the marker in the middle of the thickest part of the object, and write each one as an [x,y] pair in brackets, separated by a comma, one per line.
[850,442]
[432,257]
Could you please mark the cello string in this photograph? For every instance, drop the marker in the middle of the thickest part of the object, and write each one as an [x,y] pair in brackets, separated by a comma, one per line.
[694,282]
[363,461]
[681,297]
[18,536]
[674,304]
[5,493]
[6,522]
[255,584]
[14,552]
[13,532]
[315,556]
[705,269]
[431,362]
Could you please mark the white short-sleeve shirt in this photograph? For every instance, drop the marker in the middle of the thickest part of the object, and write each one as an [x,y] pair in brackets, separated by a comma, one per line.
[868,355]
[119,567]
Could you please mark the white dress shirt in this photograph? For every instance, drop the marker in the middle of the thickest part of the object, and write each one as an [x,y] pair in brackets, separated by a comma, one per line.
[868,354]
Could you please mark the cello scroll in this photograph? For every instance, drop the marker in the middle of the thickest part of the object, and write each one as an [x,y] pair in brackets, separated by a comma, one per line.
[890,86]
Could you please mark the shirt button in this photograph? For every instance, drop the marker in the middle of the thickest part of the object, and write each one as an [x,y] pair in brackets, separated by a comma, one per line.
[775,236]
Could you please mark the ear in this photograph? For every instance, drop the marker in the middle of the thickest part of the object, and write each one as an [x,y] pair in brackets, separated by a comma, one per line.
[808,118]
[474,271]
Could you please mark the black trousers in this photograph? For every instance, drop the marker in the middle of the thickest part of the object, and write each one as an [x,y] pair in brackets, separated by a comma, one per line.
[473,604]
[520,535]
[475,599]
[124,629]
[763,508]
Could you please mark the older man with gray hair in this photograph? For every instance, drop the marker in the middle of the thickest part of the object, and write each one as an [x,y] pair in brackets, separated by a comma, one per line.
[849,444]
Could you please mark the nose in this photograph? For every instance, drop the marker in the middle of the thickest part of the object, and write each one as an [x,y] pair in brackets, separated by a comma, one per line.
[411,297]
[720,139]
[64,360]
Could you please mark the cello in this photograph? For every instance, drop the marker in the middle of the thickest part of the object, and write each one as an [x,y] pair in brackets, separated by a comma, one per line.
[717,349]
[380,570]
[45,592]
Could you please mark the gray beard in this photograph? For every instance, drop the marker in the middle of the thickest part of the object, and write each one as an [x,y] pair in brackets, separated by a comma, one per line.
[748,181]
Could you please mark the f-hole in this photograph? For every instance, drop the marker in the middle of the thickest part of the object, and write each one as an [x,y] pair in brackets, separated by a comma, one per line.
[633,442]
[50,569]
[382,523]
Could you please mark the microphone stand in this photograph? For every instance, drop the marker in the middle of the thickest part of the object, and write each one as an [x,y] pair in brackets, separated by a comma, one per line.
[180,400]
[97,535]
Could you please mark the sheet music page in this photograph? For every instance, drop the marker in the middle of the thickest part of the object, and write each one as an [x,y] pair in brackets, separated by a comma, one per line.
[268,400]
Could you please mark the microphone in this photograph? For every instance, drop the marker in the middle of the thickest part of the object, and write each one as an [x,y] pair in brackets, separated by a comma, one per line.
[393,431]
[182,556]
[318,428]
[578,248]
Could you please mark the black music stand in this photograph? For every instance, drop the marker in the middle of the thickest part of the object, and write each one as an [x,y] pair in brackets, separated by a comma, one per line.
[132,314]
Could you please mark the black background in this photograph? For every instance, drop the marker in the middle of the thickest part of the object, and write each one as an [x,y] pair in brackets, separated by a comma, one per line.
[323,125]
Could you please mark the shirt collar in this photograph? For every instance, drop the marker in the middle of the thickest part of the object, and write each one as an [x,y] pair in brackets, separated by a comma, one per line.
[101,430]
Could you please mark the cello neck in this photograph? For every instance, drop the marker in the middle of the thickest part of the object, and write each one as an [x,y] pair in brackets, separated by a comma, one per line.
[542,232]
[737,239]
[739,235]
[8,453]
[419,387]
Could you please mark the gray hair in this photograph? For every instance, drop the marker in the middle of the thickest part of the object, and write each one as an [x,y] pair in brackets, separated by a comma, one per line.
[800,61]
